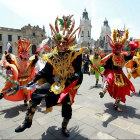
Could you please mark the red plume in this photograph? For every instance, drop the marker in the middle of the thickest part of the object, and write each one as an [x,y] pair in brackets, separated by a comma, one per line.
[134,44]
[44,47]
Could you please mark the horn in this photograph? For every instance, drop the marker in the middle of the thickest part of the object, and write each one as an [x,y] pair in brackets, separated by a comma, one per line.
[125,38]
[111,45]
[109,38]
[72,27]
[52,29]
[74,32]
[114,35]
[56,25]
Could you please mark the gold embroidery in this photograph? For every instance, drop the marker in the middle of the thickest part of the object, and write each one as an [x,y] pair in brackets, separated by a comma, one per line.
[62,69]
[119,81]
[76,87]
[104,60]
[118,60]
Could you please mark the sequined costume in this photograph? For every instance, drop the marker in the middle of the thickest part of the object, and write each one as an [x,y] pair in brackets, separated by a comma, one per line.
[22,70]
[117,84]
[95,58]
[62,73]
[134,64]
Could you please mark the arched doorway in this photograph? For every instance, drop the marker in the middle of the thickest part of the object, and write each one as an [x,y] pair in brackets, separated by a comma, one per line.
[33,49]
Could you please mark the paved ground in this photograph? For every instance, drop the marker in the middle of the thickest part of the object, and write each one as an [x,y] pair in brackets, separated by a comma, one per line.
[93,118]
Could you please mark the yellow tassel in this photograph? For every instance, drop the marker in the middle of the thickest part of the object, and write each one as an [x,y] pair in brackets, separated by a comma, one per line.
[129,75]
[114,36]
[138,54]
[123,41]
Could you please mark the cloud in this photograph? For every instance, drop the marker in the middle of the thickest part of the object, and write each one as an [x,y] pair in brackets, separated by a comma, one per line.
[37,12]
[33,10]
[116,24]
[121,25]
[43,12]
[96,27]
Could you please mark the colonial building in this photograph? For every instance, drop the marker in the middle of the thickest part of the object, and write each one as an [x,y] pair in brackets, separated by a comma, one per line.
[103,40]
[34,33]
[85,34]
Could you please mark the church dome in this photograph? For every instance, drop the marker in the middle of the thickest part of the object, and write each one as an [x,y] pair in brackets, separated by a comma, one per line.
[105,29]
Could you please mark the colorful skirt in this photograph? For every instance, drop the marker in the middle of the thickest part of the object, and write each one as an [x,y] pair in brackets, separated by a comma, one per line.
[119,84]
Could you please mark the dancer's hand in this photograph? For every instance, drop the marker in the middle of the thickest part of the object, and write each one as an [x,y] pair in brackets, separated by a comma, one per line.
[76,75]
[30,83]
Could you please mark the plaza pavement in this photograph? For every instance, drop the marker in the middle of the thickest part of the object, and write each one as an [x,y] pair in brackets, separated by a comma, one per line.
[93,117]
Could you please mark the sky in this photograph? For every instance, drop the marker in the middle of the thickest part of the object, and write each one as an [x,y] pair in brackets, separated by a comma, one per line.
[18,13]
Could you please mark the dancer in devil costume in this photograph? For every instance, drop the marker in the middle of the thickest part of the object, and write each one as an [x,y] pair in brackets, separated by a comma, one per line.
[22,70]
[134,64]
[95,58]
[62,73]
[117,84]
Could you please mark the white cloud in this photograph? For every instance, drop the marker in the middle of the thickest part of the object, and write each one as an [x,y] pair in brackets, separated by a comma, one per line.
[116,24]
[37,12]
[35,9]
[119,24]
[96,27]
[43,12]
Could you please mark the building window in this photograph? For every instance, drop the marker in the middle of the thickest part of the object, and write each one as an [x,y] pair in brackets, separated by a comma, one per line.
[88,34]
[0,37]
[33,34]
[33,49]
[41,35]
[9,37]
[0,49]
[19,37]
[82,35]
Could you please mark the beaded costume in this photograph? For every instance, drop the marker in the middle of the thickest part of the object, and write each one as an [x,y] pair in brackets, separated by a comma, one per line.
[95,58]
[22,70]
[117,84]
[134,64]
[62,73]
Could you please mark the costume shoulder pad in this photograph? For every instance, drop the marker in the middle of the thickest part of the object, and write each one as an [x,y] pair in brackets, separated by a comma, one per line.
[103,60]
[78,52]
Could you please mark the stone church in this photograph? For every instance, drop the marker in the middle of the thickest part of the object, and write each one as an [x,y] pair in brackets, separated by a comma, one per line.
[85,34]
[103,41]
[34,33]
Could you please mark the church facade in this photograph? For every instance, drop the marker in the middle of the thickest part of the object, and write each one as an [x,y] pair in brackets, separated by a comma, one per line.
[85,34]
[103,40]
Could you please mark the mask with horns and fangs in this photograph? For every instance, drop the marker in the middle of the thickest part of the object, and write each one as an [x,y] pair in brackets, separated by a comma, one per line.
[119,39]
[23,48]
[63,34]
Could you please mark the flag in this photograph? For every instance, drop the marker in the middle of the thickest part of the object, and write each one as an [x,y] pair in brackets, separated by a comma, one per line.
[8,47]
[66,91]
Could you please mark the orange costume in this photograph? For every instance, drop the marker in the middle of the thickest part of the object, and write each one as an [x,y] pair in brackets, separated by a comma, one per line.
[134,64]
[22,69]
